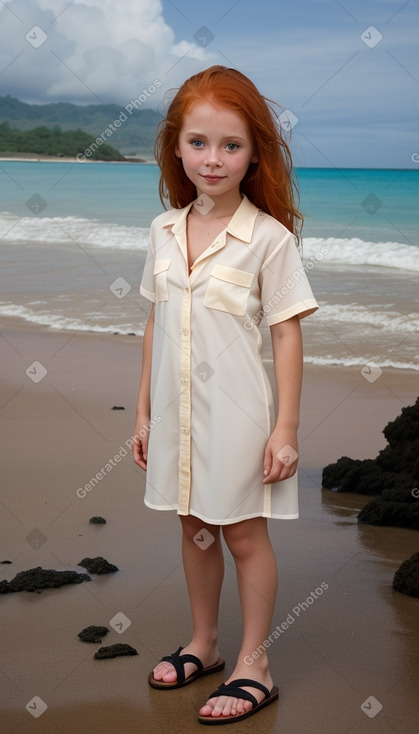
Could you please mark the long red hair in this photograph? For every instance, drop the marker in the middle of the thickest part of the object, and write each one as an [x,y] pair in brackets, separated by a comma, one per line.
[269,184]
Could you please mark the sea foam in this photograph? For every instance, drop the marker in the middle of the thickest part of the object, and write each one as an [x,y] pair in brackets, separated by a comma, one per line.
[355,251]
[59,230]
[97,234]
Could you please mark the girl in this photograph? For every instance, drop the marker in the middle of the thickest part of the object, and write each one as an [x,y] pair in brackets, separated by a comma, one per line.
[221,258]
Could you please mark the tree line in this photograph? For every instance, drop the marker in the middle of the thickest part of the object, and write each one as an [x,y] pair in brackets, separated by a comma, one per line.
[54,142]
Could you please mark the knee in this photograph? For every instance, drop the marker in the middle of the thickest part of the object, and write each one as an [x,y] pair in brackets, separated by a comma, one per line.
[238,542]
[247,538]
[193,527]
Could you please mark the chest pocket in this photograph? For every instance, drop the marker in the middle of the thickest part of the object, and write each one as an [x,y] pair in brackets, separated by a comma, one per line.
[160,269]
[228,290]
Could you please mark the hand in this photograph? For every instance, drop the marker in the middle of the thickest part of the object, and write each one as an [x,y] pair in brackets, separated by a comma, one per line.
[281,456]
[140,441]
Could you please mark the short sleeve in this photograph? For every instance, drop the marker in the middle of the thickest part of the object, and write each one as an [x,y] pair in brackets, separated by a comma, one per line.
[285,290]
[147,281]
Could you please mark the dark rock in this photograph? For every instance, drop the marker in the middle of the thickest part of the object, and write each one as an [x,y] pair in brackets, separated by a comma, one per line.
[354,475]
[381,511]
[93,634]
[393,474]
[98,520]
[41,578]
[114,651]
[118,407]
[406,578]
[5,561]
[98,565]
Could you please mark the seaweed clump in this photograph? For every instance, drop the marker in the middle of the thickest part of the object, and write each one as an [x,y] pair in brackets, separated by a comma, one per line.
[93,633]
[36,579]
[114,651]
[98,565]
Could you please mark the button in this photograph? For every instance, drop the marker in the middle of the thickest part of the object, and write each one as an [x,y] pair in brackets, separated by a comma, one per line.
[185,332]
[184,429]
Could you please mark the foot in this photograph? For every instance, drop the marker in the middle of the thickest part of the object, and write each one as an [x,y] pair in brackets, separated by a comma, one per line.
[166,672]
[229,706]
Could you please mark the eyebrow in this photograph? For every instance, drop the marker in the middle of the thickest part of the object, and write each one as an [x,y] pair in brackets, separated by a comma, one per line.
[225,137]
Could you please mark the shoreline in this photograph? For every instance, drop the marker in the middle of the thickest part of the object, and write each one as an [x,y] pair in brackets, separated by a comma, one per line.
[38,157]
[21,324]
[330,418]
[22,157]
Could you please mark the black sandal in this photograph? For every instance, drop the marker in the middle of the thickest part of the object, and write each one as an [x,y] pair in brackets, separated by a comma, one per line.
[234,689]
[178,661]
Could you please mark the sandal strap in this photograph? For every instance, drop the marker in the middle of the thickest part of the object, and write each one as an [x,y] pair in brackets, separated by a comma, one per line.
[234,690]
[178,661]
[251,683]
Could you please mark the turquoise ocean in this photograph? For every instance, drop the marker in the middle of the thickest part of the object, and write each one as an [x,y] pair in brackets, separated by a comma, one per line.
[73,238]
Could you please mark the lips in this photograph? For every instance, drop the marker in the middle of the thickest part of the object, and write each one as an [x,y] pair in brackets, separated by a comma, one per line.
[212,178]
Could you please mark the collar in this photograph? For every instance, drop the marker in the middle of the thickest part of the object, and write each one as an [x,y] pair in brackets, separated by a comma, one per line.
[240,226]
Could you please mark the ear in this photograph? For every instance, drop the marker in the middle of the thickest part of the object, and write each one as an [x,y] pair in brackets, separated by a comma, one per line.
[177,152]
[254,159]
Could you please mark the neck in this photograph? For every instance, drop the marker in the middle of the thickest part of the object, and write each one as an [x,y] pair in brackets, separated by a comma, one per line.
[224,206]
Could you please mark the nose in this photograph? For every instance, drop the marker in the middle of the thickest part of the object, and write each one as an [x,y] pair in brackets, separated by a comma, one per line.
[212,158]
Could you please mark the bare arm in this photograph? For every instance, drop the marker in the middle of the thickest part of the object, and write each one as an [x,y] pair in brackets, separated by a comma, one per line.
[140,436]
[281,454]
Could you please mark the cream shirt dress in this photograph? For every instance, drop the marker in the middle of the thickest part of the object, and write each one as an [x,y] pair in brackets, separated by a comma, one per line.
[209,389]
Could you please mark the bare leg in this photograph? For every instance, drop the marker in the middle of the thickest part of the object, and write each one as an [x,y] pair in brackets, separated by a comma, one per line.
[257,579]
[204,571]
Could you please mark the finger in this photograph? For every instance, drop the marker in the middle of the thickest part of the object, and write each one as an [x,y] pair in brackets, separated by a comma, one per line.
[138,454]
[284,463]
[267,462]
[287,455]
[141,462]
[280,471]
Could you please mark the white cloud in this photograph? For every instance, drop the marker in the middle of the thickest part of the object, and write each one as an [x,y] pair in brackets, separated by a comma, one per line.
[95,50]
[356,104]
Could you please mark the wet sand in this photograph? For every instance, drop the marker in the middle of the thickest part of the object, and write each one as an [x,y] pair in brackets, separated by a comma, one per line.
[356,640]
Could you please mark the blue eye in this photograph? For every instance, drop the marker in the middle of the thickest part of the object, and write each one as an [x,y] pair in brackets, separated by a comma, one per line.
[232,146]
[196,143]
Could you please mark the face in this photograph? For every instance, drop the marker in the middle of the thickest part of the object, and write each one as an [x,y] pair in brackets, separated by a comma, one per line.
[216,149]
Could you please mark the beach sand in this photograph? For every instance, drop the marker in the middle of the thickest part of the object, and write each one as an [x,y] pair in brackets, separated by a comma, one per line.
[30,157]
[356,640]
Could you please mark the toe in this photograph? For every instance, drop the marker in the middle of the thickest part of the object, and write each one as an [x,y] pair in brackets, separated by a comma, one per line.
[243,706]
[222,706]
[225,706]
[165,672]
[207,709]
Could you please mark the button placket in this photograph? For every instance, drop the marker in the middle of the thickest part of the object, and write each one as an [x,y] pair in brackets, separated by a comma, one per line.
[185,406]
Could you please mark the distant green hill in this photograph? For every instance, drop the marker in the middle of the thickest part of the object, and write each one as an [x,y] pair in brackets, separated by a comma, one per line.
[54,142]
[133,136]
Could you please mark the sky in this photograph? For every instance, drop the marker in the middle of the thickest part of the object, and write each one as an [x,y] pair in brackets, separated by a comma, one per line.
[345,71]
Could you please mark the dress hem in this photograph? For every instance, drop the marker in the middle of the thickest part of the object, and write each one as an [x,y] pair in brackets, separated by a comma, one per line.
[269,516]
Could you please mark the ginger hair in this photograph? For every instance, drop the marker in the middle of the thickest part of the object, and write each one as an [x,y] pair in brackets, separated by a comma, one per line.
[269,184]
